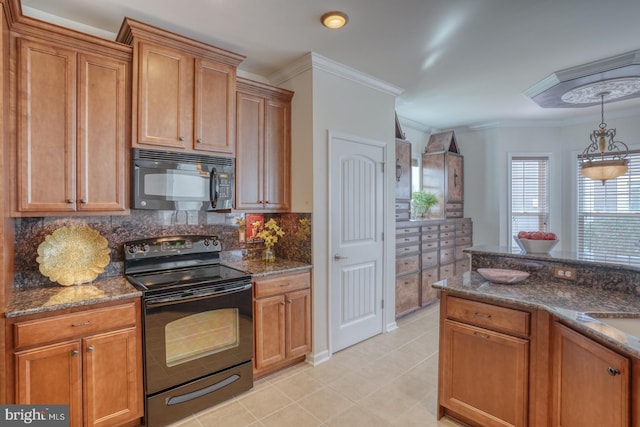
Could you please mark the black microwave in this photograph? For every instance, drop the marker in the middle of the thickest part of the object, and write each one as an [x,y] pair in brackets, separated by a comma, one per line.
[165,180]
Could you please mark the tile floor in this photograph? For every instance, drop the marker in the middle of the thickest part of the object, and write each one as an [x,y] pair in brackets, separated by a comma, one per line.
[388,380]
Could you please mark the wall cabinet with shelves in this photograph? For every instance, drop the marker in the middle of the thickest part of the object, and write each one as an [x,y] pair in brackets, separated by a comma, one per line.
[183,94]
[263,147]
[71,125]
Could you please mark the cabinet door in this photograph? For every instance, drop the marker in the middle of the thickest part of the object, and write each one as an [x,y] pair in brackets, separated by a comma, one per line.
[46,125]
[428,294]
[276,155]
[298,323]
[407,293]
[51,375]
[249,157]
[403,169]
[484,375]
[164,97]
[590,383]
[101,134]
[455,182]
[112,378]
[215,107]
[270,331]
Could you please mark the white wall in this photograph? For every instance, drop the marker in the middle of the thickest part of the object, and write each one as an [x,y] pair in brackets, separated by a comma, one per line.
[332,102]
[486,178]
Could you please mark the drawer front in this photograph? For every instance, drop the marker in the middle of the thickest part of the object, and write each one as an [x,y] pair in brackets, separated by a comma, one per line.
[447,271]
[430,229]
[463,231]
[447,243]
[407,264]
[463,265]
[460,254]
[270,286]
[489,316]
[430,236]
[403,206]
[407,239]
[463,240]
[406,231]
[454,206]
[447,226]
[58,328]
[447,256]
[430,246]
[403,215]
[454,214]
[429,259]
[407,293]
[407,250]
[447,235]
[429,276]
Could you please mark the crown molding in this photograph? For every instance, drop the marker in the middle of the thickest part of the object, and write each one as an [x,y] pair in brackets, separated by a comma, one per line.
[314,61]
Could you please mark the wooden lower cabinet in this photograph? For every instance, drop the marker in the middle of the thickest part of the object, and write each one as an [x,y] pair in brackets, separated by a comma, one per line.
[282,321]
[99,375]
[484,363]
[590,383]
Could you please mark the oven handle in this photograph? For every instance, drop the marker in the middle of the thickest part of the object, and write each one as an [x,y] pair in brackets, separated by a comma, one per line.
[188,296]
[175,400]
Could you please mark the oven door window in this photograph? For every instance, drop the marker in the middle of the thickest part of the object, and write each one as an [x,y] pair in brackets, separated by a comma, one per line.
[201,335]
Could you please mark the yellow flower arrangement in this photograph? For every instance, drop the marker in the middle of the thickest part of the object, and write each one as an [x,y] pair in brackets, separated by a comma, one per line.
[241,221]
[270,233]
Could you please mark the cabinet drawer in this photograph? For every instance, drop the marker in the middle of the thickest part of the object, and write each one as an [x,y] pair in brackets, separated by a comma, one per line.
[488,316]
[448,226]
[447,271]
[447,235]
[463,240]
[428,236]
[447,256]
[407,239]
[454,206]
[429,276]
[403,206]
[405,231]
[402,215]
[407,293]
[430,229]
[430,246]
[407,250]
[429,259]
[58,328]
[269,286]
[460,254]
[447,243]
[407,264]
[462,266]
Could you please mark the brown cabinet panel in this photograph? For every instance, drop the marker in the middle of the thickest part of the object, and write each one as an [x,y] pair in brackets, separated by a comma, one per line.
[442,174]
[215,107]
[407,264]
[270,331]
[250,163]
[489,316]
[277,164]
[484,375]
[403,169]
[407,293]
[298,327]
[46,154]
[429,294]
[590,383]
[163,97]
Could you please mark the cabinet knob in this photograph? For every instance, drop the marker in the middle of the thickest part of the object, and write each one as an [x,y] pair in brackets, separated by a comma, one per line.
[289,301]
[71,201]
[90,349]
[612,371]
[74,353]
[281,302]
[199,140]
[181,138]
[83,201]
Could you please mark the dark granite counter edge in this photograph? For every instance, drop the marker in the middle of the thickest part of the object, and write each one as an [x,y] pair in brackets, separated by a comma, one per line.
[582,321]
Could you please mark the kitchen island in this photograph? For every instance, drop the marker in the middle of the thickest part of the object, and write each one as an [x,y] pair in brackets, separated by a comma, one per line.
[534,352]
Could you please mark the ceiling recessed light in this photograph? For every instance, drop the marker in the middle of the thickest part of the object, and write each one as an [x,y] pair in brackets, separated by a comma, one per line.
[334,20]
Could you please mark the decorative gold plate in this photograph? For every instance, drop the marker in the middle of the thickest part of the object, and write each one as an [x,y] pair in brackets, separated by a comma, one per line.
[72,255]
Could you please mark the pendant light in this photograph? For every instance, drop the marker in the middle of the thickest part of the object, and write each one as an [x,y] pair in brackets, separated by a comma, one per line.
[604,158]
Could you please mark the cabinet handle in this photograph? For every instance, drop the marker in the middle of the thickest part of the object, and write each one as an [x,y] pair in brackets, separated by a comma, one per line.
[486,316]
[289,301]
[199,140]
[71,201]
[181,138]
[478,334]
[77,325]
[74,353]
[83,201]
[90,349]
[612,371]
[455,179]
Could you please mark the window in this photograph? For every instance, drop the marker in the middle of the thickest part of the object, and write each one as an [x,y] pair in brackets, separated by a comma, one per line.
[529,194]
[609,217]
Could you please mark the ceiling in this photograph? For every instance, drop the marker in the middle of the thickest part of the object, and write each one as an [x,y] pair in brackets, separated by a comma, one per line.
[459,62]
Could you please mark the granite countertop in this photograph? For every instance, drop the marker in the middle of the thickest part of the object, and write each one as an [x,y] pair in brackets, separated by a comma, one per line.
[259,268]
[579,306]
[51,298]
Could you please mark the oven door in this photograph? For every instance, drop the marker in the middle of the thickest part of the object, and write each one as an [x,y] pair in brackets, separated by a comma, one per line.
[193,333]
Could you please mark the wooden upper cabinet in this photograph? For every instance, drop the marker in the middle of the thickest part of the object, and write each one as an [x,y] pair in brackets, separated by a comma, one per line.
[71,131]
[403,169]
[263,147]
[163,98]
[184,91]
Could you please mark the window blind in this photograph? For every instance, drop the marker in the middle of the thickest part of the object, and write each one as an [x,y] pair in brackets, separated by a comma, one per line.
[609,216]
[529,194]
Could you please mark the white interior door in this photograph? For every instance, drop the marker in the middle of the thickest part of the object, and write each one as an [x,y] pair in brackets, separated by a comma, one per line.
[356,203]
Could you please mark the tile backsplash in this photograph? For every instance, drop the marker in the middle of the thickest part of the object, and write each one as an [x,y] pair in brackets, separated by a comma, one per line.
[31,232]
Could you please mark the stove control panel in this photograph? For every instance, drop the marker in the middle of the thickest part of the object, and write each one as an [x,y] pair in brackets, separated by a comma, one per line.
[174,245]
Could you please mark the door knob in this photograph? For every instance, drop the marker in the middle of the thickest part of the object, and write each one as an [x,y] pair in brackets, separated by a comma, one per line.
[337,257]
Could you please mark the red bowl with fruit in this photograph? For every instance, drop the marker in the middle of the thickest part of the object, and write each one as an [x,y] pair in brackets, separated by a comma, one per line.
[536,242]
